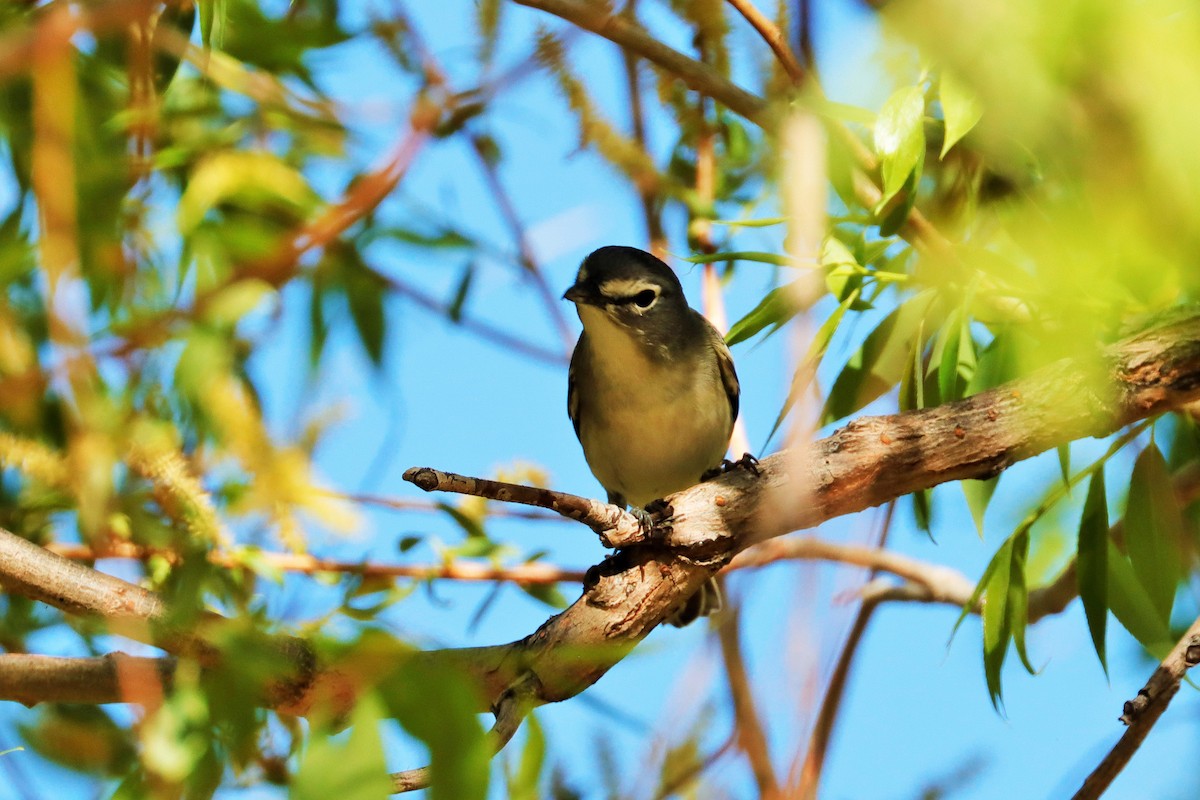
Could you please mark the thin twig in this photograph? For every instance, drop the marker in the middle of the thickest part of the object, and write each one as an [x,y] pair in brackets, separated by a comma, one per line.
[685,776]
[615,526]
[530,574]
[748,726]
[651,212]
[809,779]
[484,330]
[1143,711]
[525,254]
[410,504]
[774,38]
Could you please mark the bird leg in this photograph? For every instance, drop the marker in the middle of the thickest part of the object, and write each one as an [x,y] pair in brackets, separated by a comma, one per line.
[747,462]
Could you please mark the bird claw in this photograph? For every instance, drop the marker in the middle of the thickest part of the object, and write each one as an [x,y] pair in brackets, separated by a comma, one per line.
[656,517]
[747,462]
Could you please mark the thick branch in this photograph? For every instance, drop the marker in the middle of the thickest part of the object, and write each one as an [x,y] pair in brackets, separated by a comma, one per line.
[32,571]
[33,679]
[868,462]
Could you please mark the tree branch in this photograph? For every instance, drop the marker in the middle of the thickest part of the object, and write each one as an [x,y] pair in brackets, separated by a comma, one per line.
[33,679]
[1143,711]
[869,461]
[748,727]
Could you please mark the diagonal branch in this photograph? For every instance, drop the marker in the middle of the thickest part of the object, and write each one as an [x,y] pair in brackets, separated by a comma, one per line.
[1143,711]
[869,461]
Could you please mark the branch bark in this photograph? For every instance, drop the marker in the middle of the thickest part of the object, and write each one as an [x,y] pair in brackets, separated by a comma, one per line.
[867,462]
[1143,711]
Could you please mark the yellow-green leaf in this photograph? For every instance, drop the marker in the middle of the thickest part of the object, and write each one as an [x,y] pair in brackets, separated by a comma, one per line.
[961,109]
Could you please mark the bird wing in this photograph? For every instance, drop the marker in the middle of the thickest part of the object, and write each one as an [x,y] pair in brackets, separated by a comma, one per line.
[729,378]
[577,366]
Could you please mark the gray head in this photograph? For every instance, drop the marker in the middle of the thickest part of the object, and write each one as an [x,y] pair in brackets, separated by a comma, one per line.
[635,291]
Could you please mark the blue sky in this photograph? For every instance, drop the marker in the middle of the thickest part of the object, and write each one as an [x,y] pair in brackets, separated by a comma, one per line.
[916,709]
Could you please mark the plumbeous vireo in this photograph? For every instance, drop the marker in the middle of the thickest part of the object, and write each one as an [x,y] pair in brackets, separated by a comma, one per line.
[652,391]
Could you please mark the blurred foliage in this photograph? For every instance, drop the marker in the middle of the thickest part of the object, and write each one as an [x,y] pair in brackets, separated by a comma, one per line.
[169,179]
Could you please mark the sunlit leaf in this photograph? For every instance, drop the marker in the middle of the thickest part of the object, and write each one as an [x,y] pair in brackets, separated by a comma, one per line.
[978,494]
[775,309]
[212,22]
[742,255]
[254,179]
[900,138]
[961,109]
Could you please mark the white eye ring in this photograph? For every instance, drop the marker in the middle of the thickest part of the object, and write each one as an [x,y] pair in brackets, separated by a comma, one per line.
[645,298]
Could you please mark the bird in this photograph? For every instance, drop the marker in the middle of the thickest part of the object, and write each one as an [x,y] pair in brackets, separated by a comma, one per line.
[652,391]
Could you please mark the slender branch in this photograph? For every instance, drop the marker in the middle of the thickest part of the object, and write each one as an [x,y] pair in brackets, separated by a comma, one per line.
[748,726]
[671,785]
[531,574]
[615,526]
[698,76]
[484,330]
[655,235]
[525,254]
[1143,711]
[818,744]
[809,779]
[410,504]
[774,38]
[701,78]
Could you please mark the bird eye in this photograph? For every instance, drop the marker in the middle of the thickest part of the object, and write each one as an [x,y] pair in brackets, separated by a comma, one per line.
[645,299]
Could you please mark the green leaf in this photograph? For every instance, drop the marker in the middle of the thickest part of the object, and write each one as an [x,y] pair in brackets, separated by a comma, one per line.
[945,356]
[978,495]
[961,109]
[524,784]
[546,593]
[237,300]
[455,309]
[1091,563]
[1018,597]
[1153,530]
[438,704]
[251,179]
[356,770]
[743,255]
[470,525]
[881,361]
[365,294]
[996,620]
[212,22]
[775,309]
[1064,463]
[752,223]
[900,138]
[1132,606]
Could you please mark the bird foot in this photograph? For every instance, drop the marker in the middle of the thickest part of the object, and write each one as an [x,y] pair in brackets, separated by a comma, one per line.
[655,518]
[747,462]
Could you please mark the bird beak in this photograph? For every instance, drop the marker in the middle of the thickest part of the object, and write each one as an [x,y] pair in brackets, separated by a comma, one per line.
[583,295]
